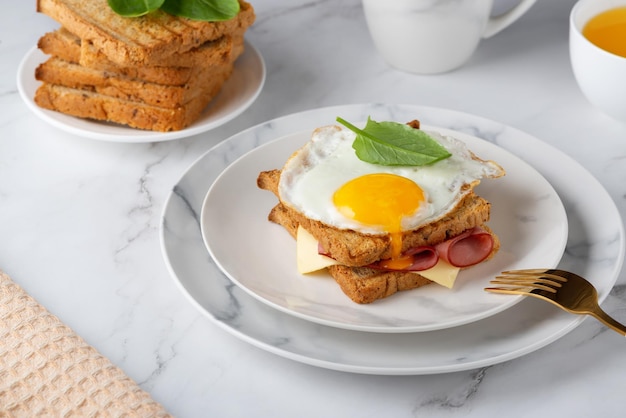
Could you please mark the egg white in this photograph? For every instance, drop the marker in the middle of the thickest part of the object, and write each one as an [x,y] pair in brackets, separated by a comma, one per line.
[325,163]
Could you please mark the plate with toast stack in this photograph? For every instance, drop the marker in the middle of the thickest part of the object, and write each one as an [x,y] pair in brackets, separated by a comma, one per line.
[149,78]
[236,95]
[526,213]
[518,329]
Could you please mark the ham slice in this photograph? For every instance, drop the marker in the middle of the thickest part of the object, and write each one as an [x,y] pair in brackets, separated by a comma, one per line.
[467,249]
[423,259]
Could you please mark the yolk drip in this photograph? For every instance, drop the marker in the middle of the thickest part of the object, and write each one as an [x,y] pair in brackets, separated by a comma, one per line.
[383,200]
[608,31]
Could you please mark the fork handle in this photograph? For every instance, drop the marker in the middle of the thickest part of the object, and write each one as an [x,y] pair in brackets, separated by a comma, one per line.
[603,317]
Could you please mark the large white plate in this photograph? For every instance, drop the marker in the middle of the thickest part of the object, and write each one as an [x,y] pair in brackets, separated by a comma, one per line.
[259,256]
[238,93]
[595,249]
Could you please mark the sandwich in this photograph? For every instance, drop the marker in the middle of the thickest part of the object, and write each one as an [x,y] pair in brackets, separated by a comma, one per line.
[155,72]
[385,208]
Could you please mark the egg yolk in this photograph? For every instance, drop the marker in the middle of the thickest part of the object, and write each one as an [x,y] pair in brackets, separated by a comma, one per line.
[383,200]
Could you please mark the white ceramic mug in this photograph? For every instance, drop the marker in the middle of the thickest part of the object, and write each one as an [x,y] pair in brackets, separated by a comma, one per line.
[601,75]
[434,36]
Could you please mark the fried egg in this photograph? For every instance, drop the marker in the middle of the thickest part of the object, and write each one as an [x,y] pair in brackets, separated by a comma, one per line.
[327,182]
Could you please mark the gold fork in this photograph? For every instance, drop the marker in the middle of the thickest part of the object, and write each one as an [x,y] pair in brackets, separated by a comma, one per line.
[564,289]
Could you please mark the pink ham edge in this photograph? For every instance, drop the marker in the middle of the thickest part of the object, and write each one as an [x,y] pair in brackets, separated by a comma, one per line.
[423,259]
[467,249]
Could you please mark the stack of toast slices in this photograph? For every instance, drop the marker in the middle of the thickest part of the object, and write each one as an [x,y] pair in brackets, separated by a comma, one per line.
[155,72]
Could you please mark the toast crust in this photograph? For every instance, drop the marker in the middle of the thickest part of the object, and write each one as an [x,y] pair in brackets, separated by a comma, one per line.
[92,105]
[364,285]
[62,44]
[67,46]
[214,51]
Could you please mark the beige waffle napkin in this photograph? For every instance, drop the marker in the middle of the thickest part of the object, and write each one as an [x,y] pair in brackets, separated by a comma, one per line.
[48,370]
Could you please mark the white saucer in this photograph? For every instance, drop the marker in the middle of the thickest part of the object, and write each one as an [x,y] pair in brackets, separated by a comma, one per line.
[260,256]
[595,249]
[237,94]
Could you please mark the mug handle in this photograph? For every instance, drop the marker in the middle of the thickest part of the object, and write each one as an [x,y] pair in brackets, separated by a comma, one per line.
[496,24]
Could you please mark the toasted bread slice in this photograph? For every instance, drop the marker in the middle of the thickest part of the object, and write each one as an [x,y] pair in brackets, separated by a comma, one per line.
[63,73]
[209,53]
[92,105]
[144,40]
[364,285]
[175,70]
[68,74]
[65,45]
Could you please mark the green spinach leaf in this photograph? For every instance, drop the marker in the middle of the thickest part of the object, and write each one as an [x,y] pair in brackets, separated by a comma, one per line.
[134,8]
[392,143]
[208,10]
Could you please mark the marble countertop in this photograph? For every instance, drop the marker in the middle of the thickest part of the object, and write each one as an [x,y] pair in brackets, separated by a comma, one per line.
[81,223]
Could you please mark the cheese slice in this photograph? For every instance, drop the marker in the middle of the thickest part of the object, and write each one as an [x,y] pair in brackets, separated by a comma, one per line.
[309,261]
[308,257]
[442,273]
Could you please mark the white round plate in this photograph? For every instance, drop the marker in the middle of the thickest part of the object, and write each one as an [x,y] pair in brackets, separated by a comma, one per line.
[237,94]
[595,249]
[260,256]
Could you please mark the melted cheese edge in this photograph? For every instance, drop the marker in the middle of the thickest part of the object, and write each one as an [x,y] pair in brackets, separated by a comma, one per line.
[309,261]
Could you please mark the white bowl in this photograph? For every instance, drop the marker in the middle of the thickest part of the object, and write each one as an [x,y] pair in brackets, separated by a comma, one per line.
[601,75]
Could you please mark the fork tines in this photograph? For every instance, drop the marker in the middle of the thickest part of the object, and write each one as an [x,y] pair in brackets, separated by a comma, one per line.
[527,280]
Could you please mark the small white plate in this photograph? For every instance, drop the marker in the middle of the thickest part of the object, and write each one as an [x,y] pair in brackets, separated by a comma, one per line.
[260,257]
[595,250]
[237,94]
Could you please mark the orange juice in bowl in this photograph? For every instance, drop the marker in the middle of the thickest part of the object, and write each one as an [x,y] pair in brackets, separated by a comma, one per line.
[597,42]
